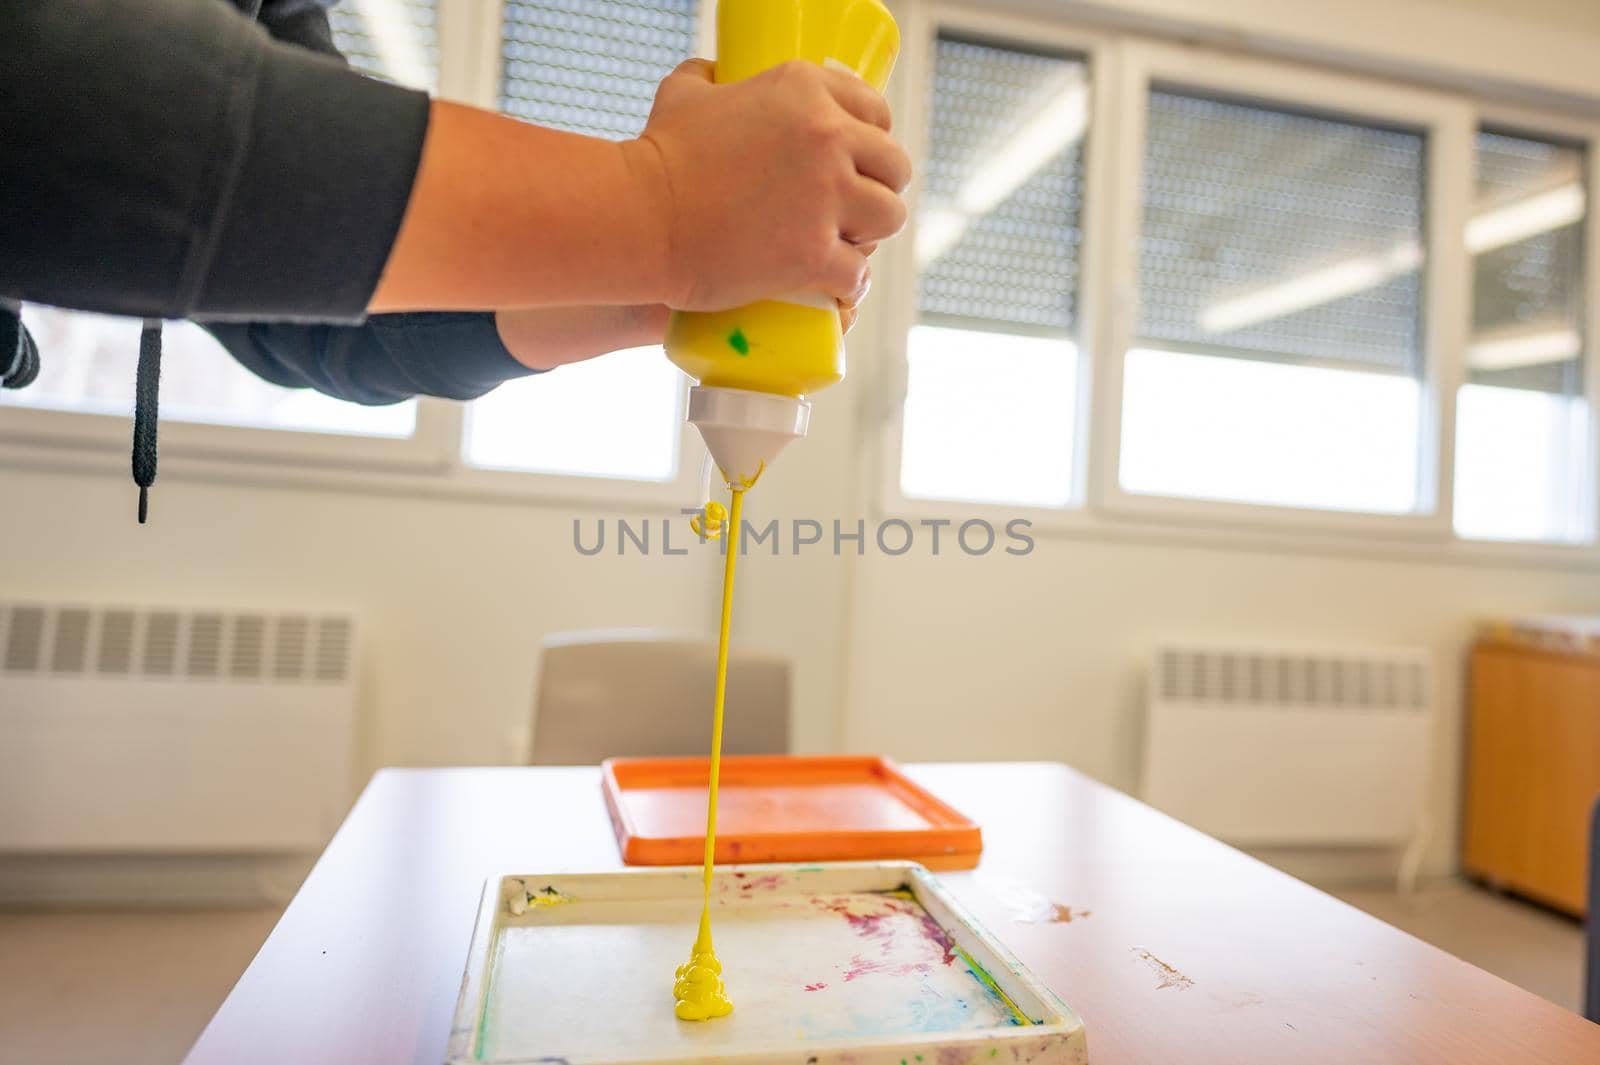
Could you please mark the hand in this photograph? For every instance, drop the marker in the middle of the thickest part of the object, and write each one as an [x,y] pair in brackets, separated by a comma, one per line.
[770,185]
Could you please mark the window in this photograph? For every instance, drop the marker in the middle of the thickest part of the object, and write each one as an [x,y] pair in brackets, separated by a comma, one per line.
[615,416]
[589,66]
[1522,421]
[991,392]
[1277,357]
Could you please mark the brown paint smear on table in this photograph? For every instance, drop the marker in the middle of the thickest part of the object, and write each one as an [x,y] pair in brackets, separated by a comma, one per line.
[1060,914]
[1169,977]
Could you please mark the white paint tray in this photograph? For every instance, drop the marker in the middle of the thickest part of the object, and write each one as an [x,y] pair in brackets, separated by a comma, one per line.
[866,963]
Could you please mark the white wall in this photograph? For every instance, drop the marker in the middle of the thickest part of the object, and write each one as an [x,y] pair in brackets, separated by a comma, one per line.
[1541,50]
[1043,656]
[453,597]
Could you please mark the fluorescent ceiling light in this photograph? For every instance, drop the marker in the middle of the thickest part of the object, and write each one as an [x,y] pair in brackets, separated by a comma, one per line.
[1007,165]
[388,23]
[1330,283]
[1525,346]
[1042,137]
[938,230]
[1524,218]
[1489,228]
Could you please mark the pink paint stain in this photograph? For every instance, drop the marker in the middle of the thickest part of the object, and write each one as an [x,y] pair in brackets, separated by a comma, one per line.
[876,928]
[860,966]
[815,987]
[880,929]
[761,883]
[936,935]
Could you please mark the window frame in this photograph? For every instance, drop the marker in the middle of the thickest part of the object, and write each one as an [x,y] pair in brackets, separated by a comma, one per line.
[1445,123]
[910,96]
[471,66]
[1585,134]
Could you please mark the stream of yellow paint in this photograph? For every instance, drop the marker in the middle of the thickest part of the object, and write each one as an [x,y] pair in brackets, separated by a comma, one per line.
[697,986]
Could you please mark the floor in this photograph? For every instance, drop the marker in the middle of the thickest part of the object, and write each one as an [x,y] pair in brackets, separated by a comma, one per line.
[155,977]
[1517,941]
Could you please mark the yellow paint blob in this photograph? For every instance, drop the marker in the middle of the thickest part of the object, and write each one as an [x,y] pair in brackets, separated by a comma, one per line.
[708,524]
[697,985]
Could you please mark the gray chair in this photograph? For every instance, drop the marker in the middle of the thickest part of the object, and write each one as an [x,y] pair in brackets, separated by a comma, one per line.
[641,692]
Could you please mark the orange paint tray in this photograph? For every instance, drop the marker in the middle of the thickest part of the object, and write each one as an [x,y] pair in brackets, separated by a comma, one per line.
[783,808]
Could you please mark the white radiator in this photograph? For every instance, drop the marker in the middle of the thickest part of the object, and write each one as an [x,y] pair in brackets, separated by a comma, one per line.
[129,730]
[1287,747]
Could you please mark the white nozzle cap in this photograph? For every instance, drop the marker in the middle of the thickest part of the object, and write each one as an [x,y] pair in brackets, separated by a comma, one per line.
[745,430]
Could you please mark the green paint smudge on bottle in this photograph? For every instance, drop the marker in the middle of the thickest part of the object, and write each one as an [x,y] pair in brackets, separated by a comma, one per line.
[739,342]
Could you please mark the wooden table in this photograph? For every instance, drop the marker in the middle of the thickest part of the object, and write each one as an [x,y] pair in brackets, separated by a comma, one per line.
[1173,947]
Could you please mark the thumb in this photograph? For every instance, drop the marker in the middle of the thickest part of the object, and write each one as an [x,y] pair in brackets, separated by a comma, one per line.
[687,80]
[699,69]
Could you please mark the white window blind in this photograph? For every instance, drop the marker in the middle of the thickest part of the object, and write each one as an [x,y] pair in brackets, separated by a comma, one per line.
[1522,421]
[1277,356]
[991,393]
[591,67]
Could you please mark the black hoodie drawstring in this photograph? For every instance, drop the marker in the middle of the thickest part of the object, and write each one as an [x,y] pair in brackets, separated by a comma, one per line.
[19,357]
[19,365]
[146,409]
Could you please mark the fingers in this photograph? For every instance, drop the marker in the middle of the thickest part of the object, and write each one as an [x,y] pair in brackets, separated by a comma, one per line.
[857,97]
[880,158]
[849,308]
[847,317]
[846,275]
[871,213]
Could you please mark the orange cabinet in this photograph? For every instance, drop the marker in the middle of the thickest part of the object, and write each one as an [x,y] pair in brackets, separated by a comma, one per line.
[1533,768]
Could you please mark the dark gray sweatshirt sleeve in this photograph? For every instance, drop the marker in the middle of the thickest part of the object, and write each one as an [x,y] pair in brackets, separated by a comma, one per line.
[391,357]
[167,158]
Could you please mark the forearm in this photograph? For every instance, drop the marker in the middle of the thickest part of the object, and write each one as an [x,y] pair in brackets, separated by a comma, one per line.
[543,338]
[552,219]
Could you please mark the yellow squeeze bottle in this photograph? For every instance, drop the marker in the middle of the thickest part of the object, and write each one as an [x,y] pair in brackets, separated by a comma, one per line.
[756,364]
